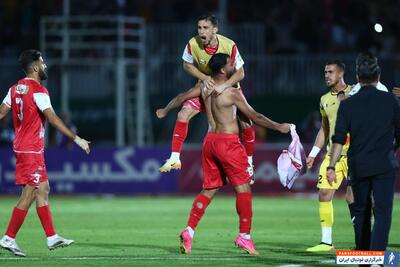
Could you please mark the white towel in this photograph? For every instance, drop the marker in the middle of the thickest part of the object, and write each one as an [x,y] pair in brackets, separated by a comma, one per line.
[292,162]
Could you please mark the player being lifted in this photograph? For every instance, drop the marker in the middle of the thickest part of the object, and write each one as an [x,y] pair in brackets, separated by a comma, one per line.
[224,156]
[195,57]
[329,104]
[31,106]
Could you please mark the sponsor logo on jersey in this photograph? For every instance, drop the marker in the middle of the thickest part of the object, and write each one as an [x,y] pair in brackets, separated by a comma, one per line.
[202,61]
[21,89]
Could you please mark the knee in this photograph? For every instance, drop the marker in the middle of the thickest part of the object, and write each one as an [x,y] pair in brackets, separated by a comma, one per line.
[325,195]
[43,193]
[245,188]
[209,193]
[185,114]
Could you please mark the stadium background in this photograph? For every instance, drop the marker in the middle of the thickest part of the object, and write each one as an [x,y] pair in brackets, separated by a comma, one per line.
[113,62]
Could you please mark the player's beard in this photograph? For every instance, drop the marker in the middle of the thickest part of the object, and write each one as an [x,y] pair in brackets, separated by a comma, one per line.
[43,75]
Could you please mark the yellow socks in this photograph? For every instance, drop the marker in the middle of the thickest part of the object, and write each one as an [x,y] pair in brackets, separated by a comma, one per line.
[326,219]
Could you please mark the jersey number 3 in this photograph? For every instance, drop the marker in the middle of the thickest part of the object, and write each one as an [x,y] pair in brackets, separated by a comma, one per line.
[20,106]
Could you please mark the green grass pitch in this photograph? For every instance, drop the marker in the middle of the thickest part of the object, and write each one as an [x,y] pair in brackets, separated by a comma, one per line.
[143,231]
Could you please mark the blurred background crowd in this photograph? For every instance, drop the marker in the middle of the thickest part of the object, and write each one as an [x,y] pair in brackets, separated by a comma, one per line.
[292,26]
[284,45]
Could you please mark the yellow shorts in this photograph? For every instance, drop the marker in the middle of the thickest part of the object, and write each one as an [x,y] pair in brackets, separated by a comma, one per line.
[341,173]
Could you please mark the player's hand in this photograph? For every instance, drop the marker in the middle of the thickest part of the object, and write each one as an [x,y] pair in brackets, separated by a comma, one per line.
[209,83]
[284,127]
[208,87]
[218,89]
[161,113]
[396,91]
[82,143]
[310,162]
[331,176]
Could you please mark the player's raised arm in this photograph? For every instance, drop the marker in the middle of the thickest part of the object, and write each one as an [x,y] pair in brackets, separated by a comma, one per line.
[57,123]
[254,116]
[179,100]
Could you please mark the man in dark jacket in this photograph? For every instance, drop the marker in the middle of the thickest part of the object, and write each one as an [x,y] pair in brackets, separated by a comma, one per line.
[372,118]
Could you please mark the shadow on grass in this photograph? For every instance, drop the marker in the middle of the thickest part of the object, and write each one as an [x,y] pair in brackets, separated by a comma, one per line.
[272,254]
[121,246]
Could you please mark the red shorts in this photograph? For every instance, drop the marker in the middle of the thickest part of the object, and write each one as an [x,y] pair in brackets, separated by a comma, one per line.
[30,169]
[196,104]
[224,156]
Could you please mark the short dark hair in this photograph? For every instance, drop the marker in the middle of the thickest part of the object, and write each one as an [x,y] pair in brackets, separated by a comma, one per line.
[367,67]
[217,62]
[210,17]
[340,64]
[28,57]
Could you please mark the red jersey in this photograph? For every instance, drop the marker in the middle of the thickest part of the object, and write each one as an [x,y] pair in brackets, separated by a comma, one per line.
[28,99]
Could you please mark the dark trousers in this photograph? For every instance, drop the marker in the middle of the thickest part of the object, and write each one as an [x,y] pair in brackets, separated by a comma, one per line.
[382,188]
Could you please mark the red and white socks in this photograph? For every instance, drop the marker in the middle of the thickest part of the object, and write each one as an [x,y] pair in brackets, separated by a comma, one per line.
[178,138]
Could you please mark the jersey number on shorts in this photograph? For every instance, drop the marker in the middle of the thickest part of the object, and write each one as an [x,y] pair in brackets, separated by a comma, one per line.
[20,106]
[37,177]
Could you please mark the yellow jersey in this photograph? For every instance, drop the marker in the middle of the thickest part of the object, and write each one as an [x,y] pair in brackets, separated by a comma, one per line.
[200,55]
[329,106]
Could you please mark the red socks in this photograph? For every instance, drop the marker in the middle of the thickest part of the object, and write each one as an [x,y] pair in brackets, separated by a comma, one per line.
[198,208]
[249,138]
[244,210]
[17,219]
[179,136]
[46,219]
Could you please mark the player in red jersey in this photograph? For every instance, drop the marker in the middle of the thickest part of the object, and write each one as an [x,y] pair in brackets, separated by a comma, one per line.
[195,57]
[30,104]
[224,156]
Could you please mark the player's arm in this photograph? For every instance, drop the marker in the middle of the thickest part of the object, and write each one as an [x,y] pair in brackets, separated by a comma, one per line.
[178,101]
[254,116]
[57,123]
[320,141]
[43,103]
[194,71]
[189,67]
[338,140]
[396,123]
[5,106]
[4,109]
[237,60]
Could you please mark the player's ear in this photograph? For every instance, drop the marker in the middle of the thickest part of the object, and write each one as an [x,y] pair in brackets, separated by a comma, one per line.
[35,67]
[215,30]
[223,70]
